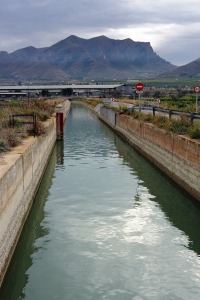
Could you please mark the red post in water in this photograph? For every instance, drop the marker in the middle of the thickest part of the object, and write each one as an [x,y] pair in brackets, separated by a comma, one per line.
[59,125]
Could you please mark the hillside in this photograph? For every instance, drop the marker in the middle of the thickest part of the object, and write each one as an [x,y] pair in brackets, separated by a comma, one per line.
[191,69]
[78,58]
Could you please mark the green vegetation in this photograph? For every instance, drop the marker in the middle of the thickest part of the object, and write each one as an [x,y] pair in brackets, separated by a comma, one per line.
[92,101]
[168,82]
[174,93]
[194,132]
[179,125]
[184,104]
[3,145]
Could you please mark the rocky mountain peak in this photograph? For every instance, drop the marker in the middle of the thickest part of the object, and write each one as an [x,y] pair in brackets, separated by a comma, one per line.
[77,58]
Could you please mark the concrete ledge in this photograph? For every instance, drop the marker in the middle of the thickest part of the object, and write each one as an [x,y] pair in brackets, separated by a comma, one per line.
[177,156]
[20,173]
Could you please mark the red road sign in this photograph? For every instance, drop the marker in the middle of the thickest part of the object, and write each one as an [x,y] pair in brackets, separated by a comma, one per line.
[139,86]
[197,89]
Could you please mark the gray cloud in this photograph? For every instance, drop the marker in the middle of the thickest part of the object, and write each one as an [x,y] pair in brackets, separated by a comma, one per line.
[172,27]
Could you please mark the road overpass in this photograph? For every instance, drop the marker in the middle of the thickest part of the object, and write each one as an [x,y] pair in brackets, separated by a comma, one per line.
[15,90]
[59,87]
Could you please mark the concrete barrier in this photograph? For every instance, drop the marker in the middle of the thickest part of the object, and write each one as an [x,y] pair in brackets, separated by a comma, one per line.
[178,156]
[20,173]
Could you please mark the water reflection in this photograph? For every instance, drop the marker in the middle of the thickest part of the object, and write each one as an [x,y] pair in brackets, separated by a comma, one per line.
[108,225]
[60,153]
[29,242]
[181,209]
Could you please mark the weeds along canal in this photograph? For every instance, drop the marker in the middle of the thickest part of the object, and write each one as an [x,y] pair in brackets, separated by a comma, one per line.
[105,224]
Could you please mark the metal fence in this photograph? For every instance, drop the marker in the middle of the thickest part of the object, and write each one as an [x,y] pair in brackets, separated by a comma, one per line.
[24,121]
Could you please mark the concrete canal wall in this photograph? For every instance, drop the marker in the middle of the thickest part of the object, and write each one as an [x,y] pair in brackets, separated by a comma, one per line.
[20,173]
[178,156]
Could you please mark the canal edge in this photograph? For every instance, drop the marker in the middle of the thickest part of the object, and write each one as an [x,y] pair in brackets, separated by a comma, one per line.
[20,175]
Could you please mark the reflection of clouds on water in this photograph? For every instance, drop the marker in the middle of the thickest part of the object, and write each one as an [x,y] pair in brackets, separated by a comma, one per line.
[107,230]
[138,223]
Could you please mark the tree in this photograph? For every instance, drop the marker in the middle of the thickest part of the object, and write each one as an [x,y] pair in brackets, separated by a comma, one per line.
[181,93]
[157,94]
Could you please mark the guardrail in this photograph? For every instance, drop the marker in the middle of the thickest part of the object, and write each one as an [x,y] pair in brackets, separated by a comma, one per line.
[169,112]
[153,109]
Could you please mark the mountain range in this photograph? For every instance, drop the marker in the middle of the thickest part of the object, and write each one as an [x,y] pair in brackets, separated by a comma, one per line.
[75,58]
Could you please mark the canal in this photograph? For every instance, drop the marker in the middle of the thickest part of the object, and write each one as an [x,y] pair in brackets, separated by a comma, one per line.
[105,224]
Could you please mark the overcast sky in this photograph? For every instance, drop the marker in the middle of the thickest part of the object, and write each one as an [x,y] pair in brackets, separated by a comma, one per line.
[172,27]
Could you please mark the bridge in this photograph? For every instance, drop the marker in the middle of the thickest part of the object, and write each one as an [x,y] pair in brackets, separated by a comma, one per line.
[15,90]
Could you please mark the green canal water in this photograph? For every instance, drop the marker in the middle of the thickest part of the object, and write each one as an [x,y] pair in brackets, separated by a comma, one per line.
[105,224]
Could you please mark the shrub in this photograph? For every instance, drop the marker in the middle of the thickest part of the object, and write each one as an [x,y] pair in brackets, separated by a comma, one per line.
[3,145]
[161,122]
[147,117]
[43,115]
[178,127]
[159,119]
[181,105]
[93,102]
[40,128]
[194,133]
[10,137]
[135,114]
[122,108]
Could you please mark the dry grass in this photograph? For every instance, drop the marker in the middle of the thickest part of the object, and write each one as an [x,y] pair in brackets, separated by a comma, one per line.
[11,137]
